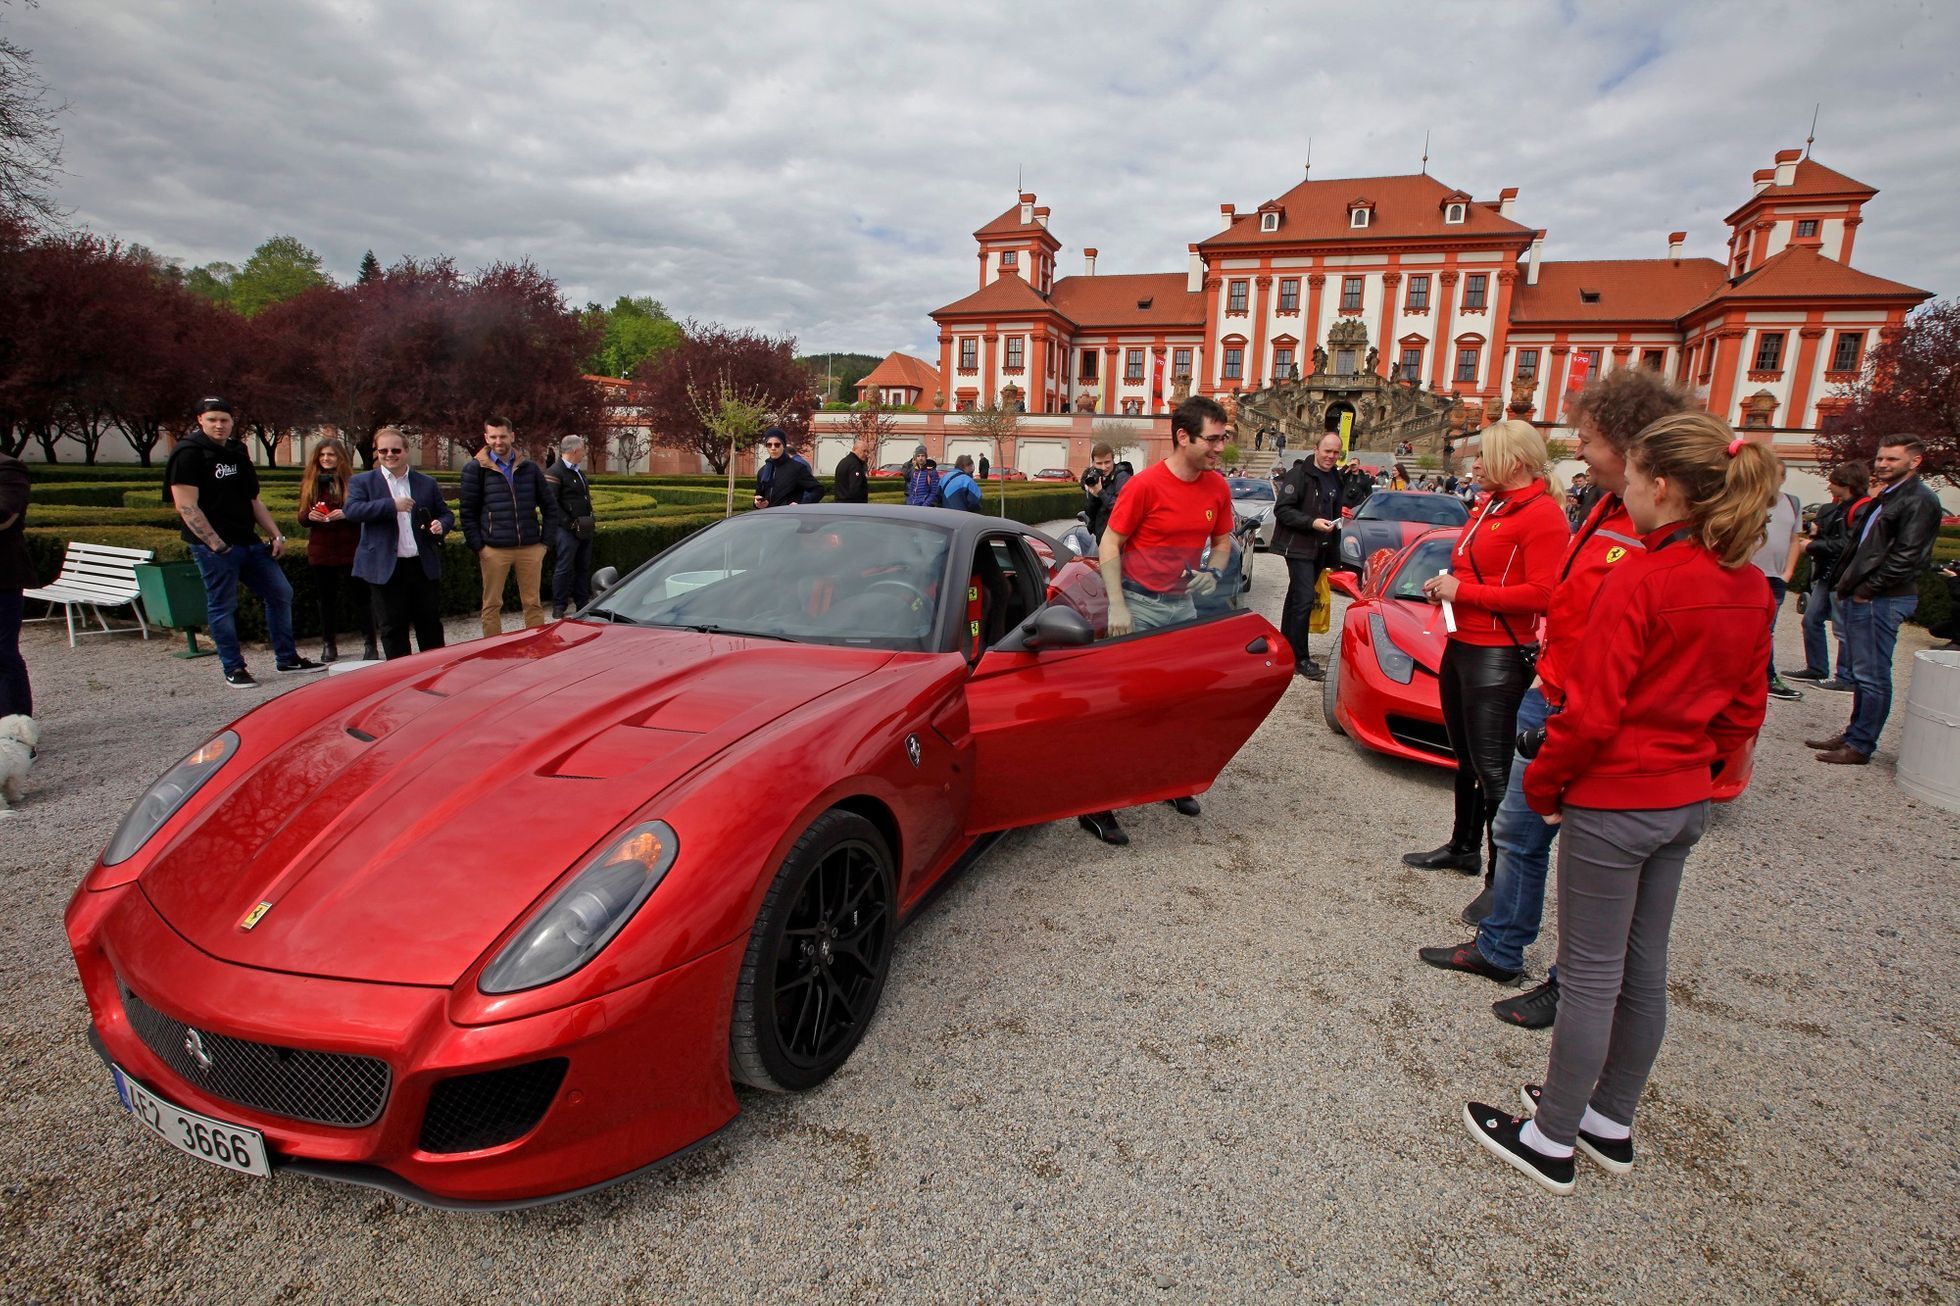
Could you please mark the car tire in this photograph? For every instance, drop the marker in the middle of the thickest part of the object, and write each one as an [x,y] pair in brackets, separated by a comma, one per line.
[1330,690]
[817,957]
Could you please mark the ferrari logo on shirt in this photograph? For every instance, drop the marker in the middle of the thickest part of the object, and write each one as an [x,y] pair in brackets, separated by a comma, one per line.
[1209,512]
[1496,526]
[253,916]
[1615,553]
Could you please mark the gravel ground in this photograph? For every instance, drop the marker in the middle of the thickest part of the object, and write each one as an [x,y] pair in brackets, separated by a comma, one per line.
[1207,1066]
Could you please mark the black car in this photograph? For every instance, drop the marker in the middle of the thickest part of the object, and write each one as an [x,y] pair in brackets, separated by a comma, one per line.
[1392,518]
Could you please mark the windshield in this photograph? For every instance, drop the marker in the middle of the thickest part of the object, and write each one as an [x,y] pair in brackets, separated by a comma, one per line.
[1435,509]
[1429,557]
[814,578]
[1244,487]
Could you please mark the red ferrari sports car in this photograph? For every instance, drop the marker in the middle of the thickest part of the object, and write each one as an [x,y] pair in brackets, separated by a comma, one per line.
[511,919]
[1381,688]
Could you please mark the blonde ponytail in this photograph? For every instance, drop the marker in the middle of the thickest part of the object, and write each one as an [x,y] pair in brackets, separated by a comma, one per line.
[1729,482]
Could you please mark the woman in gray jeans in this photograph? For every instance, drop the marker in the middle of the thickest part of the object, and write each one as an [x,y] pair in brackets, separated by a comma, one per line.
[1656,691]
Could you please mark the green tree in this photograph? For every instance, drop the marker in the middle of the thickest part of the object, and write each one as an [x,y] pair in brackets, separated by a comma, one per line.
[370,269]
[212,282]
[633,330]
[280,269]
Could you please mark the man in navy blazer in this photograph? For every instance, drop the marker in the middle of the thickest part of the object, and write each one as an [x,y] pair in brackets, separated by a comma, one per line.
[403,517]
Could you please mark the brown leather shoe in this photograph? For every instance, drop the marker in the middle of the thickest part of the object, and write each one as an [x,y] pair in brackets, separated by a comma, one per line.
[1825,745]
[1844,756]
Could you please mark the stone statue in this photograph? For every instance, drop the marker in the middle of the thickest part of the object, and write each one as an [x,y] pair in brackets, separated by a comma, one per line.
[1522,398]
[1319,360]
[1374,359]
[1180,387]
[1085,403]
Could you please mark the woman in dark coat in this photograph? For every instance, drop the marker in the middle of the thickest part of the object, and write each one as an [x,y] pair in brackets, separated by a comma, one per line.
[330,547]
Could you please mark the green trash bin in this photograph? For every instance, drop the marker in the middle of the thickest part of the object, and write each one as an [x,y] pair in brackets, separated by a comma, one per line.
[173,595]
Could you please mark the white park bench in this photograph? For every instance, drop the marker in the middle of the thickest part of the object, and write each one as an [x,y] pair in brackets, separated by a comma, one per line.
[97,576]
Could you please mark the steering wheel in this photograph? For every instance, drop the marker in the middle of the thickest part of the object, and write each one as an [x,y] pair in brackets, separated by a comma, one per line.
[912,592]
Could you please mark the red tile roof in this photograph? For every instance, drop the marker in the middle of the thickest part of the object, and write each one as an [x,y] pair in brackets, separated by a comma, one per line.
[1116,301]
[1317,211]
[903,371]
[1801,272]
[1812,180]
[1008,223]
[1629,290]
[1005,294]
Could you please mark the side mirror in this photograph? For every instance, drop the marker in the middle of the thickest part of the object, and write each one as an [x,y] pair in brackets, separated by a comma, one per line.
[604,579]
[1057,626]
[1344,582]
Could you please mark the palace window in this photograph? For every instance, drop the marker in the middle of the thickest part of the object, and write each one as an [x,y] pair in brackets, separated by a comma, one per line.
[1707,359]
[1653,360]
[1807,226]
[1845,357]
[1454,213]
[1133,365]
[1411,368]
[1181,362]
[1088,368]
[1269,222]
[969,352]
[1235,297]
[1234,364]
[1010,258]
[1466,363]
[1343,362]
[1350,292]
[1289,295]
[1358,218]
[1133,408]
[1476,290]
[1527,369]
[1419,294]
[1595,359]
[1742,263]
[1769,351]
[1282,364]
[1014,350]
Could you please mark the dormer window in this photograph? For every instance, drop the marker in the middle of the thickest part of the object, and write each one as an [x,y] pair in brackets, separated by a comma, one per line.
[1269,221]
[1010,258]
[1455,213]
[1143,305]
[1806,227]
[1589,297]
[1358,218]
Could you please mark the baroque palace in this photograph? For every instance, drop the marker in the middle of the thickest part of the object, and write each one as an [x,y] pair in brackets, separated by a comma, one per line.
[1420,308]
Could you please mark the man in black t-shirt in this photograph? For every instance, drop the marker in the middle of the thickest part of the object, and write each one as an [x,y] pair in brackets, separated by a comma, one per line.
[211,480]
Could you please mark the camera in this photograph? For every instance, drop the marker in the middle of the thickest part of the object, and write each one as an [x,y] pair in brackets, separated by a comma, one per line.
[1530,741]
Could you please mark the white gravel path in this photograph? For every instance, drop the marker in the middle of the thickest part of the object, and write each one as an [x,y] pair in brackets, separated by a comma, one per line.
[1205,1067]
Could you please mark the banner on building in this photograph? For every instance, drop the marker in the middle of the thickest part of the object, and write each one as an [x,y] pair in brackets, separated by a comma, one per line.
[1578,371]
[1347,434]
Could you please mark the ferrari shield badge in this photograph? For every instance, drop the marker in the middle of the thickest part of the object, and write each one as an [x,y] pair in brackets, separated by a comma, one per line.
[912,750]
[253,916]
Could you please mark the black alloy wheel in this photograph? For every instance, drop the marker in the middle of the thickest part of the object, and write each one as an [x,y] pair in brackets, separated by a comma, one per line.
[817,957]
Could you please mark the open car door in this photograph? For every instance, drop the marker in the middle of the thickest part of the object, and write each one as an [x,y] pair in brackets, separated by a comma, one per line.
[1067,730]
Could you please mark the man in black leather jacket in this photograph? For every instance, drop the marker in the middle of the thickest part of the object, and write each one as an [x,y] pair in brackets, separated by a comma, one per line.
[1304,521]
[1879,587]
[571,573]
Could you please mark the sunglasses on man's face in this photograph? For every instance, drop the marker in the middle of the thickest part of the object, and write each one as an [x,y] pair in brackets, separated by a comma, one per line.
[772,445]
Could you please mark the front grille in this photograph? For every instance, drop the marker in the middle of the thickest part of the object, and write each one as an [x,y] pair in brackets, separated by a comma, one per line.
[1424,735]
[470,1112]
[325,1088]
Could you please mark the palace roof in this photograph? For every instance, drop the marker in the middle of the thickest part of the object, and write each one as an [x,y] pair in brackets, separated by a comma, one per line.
[1150,299]
[1801,272]
[1812,181]
[1007,293]
[1616,290]
[1317,211]
[902,371]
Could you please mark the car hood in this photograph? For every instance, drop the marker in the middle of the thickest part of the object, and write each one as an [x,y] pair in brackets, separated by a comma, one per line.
[1417,629]
[1374,534]
[396,836]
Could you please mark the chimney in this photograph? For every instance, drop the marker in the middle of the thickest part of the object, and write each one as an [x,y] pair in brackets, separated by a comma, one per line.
[1229,212]
[1041,215]
[1505,199]
[1089,262]
[1675,239]
[1763,178]
[1531,268]
[1027,208]
[1194,279]
[1786,167]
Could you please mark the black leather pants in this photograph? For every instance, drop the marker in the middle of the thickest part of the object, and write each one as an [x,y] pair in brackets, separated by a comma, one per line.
[1481,690]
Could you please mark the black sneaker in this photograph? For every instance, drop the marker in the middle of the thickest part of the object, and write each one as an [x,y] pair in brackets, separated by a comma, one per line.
[1185,806]
[1534,1009]
[1614,1155]
[1465,957]
[1806,674]
[1777,689]
[1837,686]
[1446,858]
[1498,1132]
[240,679]
[1479,907]
[299,667]
[1310,669]
[1103,825]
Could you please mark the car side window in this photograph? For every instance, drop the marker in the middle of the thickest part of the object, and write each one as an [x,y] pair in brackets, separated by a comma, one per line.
[1009,585]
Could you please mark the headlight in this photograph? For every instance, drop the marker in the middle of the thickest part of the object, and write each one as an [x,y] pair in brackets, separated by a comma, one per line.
[585,915]
[166,796]
[1395,664]
[1350,547]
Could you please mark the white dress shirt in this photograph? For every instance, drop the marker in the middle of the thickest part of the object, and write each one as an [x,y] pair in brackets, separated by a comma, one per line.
[405,546]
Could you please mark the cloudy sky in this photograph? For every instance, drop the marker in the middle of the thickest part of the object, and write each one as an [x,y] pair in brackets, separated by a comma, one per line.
[818,168]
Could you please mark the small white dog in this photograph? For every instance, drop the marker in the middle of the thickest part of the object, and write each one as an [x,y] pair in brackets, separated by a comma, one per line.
[18,736]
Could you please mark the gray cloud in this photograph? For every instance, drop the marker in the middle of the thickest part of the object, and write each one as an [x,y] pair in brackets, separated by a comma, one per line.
[818,169]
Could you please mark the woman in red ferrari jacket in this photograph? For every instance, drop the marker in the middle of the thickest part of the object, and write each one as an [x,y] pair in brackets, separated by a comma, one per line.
[1665,680]
[1498,586]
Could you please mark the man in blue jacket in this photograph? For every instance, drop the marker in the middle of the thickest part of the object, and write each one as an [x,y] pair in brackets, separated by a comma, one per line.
[403,518]
[959,489]
[508,514]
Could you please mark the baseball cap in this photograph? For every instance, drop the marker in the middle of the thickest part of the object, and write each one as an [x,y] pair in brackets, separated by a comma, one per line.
[213,404]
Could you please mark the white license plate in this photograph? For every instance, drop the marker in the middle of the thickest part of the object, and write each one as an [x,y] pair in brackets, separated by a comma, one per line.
[232,1146]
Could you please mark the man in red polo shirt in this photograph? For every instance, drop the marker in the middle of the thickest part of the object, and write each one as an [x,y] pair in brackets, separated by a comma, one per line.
[1155,542]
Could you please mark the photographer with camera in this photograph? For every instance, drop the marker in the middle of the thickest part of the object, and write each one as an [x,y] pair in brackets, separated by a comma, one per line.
[1667,677]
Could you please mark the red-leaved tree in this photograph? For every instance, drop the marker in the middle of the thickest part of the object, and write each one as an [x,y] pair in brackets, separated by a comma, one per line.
[716,360]
[1911,384]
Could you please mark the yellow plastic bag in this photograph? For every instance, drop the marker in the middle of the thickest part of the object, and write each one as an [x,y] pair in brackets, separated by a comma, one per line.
[1323,606]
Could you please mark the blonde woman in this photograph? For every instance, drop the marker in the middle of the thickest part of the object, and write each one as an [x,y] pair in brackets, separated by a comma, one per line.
[330,544]
[1499,585]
